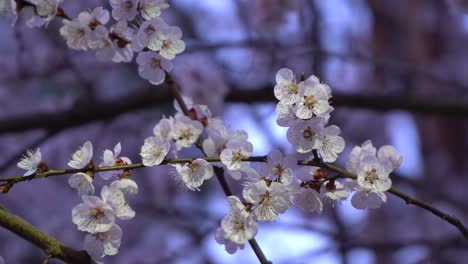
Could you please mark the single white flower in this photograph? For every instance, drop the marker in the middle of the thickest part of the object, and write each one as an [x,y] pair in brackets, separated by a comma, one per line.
[374,175]
[163,128]
[116,199]
[123,10]
[152,67]
[269,200]
[334,191]
[279,167]
[110,158]
[82,182]
[93,215]
[357,154]
[154,150]
[365,198]
[330,144]
[103,244]
[313,99]
[308,199]
[304,135]
[286,114]
[238,225]
[235,151]
[170,43]
[186,131]
[127,186]
[286,89]
[193,174]
[218,137]
[148,33]
[231,247]
[30,161]
[388,154]
[82,156]
[150,9]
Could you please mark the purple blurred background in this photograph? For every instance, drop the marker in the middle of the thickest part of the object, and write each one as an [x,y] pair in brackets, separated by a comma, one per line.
[395,51]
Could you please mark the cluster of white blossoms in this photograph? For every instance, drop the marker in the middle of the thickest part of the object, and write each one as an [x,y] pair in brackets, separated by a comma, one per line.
[137,28]
[269,190]
[97,215]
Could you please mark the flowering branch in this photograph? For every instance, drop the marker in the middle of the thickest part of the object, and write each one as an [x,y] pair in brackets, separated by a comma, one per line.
[52,247]
[341,173]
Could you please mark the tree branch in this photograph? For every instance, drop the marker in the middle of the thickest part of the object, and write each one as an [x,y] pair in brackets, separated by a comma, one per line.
[52,247]
[342,174]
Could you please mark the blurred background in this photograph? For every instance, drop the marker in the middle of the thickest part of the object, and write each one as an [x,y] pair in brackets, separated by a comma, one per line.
[398,72]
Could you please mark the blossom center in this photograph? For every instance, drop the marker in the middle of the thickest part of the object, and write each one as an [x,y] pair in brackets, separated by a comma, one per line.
[308,133]
[292,88]
[155,63]
[194,167]
[149,30]
[309,101]
[96,213]
[166,43]
[236,155]
[370,176]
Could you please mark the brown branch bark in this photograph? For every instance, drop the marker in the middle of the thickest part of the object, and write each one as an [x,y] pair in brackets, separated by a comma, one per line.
[51,246]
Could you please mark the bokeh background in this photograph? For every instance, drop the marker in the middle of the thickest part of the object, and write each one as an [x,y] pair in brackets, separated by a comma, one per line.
[398,72]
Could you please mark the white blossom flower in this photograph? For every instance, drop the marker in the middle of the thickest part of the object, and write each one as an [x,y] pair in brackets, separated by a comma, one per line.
[374,175]
[164,128]
[127,186]
[42,12]
[93,215]
[86,30]
[334,191]
[170,43]
[154,150]
[116,199]
[280,167]
[193,174]
[82,182]
[152,67]
[82,156]
[286,89]
[269,200]
[123,10]
[313,99]
[238,225]
[235,151]
[286,114]
[366,198]
[110,158]
[103,244]
[186,131]
[30,161]
[150,9]
[218,137]
[330,144]
[308,199]
[231,247]
[304,135]
[357,154]
[148,33]
[389,154]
